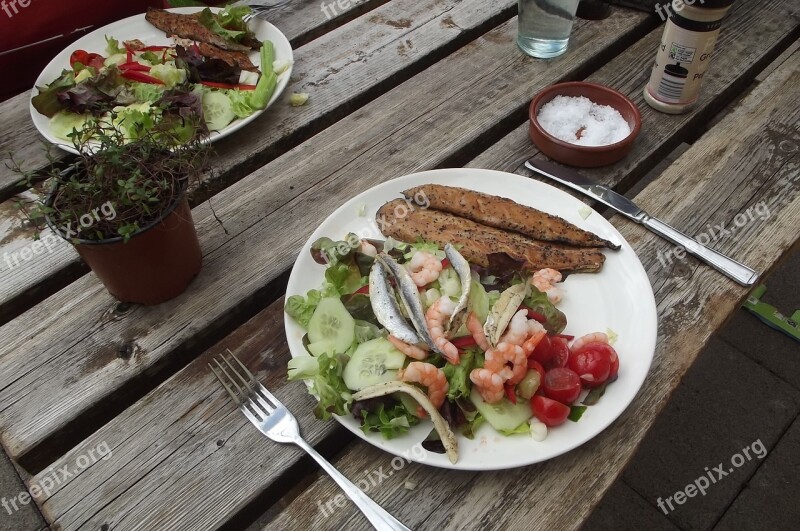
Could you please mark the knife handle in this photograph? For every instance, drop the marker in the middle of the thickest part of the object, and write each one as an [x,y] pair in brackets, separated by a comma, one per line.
[727,266]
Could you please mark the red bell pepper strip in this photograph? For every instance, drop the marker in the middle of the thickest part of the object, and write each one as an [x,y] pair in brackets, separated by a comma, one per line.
[510,393]
[134,67]
[214,84]
[533,314]
[464,342]
[141,77]
[363,289]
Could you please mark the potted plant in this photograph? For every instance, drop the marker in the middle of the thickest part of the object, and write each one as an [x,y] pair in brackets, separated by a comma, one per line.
[123,206]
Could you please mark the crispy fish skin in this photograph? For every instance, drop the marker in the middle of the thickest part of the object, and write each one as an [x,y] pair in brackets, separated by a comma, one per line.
[189,27]
[503,213]
[477,241]
[239,59]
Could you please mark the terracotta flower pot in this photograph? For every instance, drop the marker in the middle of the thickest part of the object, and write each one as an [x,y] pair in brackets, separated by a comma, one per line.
[156,264]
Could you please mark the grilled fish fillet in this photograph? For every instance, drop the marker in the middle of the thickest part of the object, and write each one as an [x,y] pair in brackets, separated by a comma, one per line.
[505,214]
[477,241]
[189,27]
[239,59]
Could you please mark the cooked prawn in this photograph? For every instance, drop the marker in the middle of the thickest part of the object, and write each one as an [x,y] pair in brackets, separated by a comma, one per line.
[544,280]
[424,268]
[498,358]
[476,330]
[368,249]
[488,384]
[412,351]
[536,333]
[517,330]
[429,376]
[595,337]
[436,318]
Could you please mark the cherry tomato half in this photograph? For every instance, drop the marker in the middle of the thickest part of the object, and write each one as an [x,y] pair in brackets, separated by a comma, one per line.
[548,411]
[543,352]
[85,58]
[592,365]
[604,350]
[559,349]
[562,384]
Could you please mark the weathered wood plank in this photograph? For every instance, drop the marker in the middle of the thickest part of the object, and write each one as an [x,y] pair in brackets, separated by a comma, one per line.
[753,35]
[300,20]
[191,422]
[751,158]
[390,43]
[54,383]
[138,493]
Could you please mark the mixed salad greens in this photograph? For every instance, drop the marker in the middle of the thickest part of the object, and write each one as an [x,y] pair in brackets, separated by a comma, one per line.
[351,352]
[174,90]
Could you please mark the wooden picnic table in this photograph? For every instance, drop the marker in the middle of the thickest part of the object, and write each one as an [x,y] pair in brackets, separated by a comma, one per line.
[395,87]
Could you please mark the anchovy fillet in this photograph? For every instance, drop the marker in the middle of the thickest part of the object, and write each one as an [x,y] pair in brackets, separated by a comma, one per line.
[385,306]
[409,296]
[461,266]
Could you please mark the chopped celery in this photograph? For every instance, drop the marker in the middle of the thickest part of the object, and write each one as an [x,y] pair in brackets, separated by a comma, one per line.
[298,99]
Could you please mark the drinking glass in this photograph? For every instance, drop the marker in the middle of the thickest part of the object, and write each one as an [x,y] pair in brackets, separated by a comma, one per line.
[544,26]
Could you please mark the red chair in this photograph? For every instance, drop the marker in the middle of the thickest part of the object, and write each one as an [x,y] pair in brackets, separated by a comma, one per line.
[32,32]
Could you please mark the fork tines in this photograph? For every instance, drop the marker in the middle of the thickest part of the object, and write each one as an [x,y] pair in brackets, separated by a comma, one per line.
[243,387]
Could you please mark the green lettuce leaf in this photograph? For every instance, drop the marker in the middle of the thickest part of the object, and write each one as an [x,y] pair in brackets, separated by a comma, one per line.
[389,422]
[458,375]
[302,308]
[538,301]
[113,47]
[46,102]
[326,382]
[225,23]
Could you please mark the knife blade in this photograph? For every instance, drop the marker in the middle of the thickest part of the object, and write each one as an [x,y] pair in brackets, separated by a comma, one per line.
[605,195]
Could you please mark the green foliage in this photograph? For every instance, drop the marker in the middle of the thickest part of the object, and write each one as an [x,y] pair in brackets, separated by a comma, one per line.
[122,186]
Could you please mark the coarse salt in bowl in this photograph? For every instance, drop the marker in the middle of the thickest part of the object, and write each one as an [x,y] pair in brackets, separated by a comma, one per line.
[583,124]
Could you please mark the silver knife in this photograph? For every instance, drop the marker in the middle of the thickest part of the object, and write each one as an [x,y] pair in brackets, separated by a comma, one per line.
[568,177]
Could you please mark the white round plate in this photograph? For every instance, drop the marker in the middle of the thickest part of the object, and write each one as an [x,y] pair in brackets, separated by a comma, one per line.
[136,27]
[619,297]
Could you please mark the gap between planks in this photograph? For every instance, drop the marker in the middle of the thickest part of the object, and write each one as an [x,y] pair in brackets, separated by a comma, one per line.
[394,42]
[258,218]
[682,287]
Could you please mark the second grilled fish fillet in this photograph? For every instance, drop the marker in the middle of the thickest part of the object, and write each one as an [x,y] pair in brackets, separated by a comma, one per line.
[478,241]
[504,213]
[239,59]
[189,27]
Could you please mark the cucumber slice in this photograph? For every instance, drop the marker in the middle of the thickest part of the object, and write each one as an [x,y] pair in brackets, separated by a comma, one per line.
[63,123]
[332,322]
[393,358]
[503,415]
[321,347]
[217,110]
[372,363]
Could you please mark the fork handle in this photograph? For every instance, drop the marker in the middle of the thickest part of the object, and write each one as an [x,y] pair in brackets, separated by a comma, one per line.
[378,517]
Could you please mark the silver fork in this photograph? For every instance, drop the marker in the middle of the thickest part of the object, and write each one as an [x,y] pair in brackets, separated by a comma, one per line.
[259,10]
[272,419]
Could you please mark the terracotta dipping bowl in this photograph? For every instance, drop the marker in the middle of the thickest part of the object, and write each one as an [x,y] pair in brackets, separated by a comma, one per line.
[584,156]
